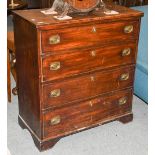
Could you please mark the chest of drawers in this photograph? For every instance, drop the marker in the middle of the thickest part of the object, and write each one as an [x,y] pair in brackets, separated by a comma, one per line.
[74,74]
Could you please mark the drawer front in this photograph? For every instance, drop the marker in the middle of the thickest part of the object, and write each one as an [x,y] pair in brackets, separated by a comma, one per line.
[86,86]
[84,36]
[86,114]
[75,62]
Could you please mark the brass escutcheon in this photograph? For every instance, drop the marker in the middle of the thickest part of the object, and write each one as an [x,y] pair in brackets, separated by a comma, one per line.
[94,29]
[93,53]
[126,52]
[55,93]
[55,120]
[55,65]
[122,100]
[90,103]
[128,29]
[92,78]
[55,39]
[124,77]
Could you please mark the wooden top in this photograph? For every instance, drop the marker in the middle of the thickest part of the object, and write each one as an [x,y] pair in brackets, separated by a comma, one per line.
[41,20]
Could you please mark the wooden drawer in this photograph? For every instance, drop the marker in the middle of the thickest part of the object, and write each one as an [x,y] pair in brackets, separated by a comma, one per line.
[75,62]
[92,35]
[86,86]
[80,116]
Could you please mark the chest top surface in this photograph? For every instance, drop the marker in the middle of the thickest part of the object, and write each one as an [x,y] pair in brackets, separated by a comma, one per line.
[39,19]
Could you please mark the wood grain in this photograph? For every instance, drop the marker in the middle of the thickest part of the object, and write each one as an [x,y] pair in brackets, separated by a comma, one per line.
[84,115]
[73,62]
[47,22]
[27,73]
[82,5]
[79,37]
[86,86]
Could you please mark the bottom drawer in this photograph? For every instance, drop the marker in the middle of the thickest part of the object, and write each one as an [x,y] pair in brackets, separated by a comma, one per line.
[74,118]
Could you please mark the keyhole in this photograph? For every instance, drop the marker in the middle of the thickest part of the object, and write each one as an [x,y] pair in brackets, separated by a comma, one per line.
[92,78]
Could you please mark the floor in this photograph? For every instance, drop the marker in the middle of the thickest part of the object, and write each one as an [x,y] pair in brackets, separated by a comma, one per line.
[110,139]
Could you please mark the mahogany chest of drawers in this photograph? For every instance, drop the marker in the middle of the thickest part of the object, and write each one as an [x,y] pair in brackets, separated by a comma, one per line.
[74,74]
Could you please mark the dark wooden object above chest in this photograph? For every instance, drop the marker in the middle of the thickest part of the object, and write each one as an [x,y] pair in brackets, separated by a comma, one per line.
[48,3]
[130,3]
[74,74]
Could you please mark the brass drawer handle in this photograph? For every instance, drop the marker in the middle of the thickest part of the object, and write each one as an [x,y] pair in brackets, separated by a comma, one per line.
[94,30]
[55,39]
[126,52]
[55,93]
[124,77]
[55,66]
[93,53]
[128,29]
[122,100]
[55,120]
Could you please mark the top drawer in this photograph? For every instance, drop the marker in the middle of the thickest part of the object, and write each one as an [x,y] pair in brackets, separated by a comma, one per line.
[84,36]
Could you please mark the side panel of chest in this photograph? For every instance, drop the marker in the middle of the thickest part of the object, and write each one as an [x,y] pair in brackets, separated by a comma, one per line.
[28,74]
